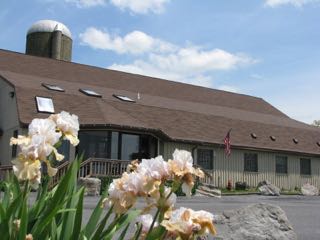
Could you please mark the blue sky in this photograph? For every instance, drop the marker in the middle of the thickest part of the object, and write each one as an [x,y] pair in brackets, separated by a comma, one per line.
[264,48]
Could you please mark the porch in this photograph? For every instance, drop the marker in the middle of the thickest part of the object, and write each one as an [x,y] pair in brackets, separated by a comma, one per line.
[92,167]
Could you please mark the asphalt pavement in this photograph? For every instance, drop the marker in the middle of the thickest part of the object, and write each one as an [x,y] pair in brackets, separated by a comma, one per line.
[303,212]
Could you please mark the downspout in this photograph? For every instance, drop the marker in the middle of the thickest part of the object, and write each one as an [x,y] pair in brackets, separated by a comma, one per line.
[193,152]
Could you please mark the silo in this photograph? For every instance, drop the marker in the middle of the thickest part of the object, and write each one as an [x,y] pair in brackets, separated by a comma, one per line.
[48,38]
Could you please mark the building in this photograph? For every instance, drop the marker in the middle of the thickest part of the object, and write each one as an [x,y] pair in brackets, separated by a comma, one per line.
[126,116]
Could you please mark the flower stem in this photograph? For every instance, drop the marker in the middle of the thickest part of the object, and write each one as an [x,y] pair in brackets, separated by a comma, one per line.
[138,232]
[153,222]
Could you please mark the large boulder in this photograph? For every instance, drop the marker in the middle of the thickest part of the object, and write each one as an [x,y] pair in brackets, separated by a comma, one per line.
[309,190]
[268,189]
[255,222]
[92,185]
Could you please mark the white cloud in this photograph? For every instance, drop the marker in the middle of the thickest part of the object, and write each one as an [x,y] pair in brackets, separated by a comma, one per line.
[141,6]
[87,3]
[189,65]
[159,58]
[135,42]
[296,3]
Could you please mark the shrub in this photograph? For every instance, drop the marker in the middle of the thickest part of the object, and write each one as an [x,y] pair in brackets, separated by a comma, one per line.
[105,183]
[241,186]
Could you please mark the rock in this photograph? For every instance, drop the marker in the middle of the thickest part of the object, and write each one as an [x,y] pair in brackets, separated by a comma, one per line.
[92,185]
[309,190]
[209,191]
[255,222]
[268,189]
[265,182]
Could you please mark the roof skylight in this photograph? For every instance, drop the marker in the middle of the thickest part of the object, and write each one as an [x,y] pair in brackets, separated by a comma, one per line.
[44,105]
[123,98]
[53,87]
[90,92]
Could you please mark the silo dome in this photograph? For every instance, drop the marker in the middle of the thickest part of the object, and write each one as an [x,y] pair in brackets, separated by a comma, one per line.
[49,38]
[49,26]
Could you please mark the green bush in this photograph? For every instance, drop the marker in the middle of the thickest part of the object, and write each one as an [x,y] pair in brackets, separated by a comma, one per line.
[105,183]
[179,191]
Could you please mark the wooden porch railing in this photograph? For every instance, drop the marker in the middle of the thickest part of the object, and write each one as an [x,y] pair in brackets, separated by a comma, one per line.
[96,167]
[100,167]
[92,167]
[207,176]
[62,168]
[5,170]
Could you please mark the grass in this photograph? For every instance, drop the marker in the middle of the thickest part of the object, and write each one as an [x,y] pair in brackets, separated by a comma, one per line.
[290,192]
[225,191]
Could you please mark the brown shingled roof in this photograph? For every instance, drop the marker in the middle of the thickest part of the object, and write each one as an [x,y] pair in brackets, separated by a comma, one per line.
[182,112]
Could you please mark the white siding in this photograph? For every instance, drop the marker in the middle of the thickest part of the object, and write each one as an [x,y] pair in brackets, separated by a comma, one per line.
[8,121]
[225,168]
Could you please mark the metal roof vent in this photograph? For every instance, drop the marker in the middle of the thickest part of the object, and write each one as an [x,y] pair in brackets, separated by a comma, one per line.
[296,141]
[273,138]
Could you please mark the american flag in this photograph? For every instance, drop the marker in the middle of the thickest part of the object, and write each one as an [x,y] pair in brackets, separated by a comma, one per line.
[227,144]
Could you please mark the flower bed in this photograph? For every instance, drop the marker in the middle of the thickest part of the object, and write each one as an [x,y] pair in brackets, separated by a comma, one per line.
[57,214]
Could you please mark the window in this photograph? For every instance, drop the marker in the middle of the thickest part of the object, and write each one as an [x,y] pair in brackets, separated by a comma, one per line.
[53,87]
[116,145]
[123,98]
[129,146]
[205,158]
[90,92]
[305,166]
[14,147]
[44,105]
[94,144]
[251,162]
[64,149]
[281,164]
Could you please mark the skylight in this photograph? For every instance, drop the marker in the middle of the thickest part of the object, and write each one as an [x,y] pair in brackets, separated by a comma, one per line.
[253,135]
[90,92]
[44,105]
[53,87]
[123,98]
